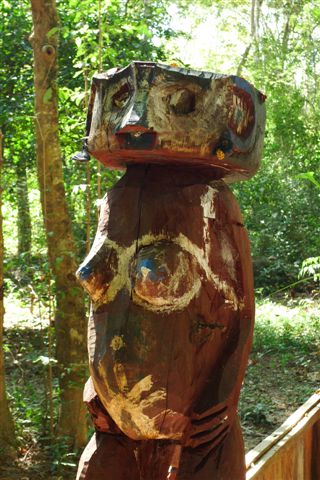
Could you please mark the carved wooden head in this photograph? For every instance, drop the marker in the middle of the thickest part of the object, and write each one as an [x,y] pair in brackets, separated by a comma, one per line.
[153,113]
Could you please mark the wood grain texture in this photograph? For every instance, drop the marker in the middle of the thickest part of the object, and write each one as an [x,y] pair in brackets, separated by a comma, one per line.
[170,278]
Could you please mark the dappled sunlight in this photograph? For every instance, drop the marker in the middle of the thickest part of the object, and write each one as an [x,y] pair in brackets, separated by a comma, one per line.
[18,314]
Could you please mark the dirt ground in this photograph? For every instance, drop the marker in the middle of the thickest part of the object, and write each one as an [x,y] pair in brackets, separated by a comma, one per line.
[284,365]
[272,393]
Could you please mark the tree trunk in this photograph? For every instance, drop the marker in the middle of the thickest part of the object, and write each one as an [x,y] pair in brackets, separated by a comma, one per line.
[7,436]
[70,311]
[24,220]
[254,35]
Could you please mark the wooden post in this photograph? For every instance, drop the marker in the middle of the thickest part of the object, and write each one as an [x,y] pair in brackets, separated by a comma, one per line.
[169,274]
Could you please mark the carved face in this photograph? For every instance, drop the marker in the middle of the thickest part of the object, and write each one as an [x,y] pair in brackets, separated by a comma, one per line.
[171,304]
[153,113]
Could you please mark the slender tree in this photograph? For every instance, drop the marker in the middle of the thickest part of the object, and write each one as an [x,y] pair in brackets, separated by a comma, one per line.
[24,218]
[70,305]
[7,436]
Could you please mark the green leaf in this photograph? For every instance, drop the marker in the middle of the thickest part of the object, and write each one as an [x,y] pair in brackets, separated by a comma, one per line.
[129,28]
[309,176]
[77,74]
[47,96]
[52,32]
[44,360]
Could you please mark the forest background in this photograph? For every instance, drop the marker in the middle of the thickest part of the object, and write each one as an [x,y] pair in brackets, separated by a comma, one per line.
[275,44]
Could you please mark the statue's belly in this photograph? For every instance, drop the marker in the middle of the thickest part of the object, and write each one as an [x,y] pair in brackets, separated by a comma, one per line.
[143,414]
[149,368]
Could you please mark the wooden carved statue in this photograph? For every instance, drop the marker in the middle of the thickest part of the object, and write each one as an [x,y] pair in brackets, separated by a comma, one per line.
[169,274]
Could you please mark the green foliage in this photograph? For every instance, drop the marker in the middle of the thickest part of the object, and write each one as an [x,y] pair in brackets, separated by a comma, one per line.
[283,66]
[27,361]
[128,30]
[27,380]
[287,327]
[280,211]
[284,364]
[89,41]
[311,267]
[257,414]
[309,176]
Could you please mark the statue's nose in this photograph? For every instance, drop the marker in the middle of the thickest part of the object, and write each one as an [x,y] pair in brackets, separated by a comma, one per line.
[134,118]
[134,122]
[134,133]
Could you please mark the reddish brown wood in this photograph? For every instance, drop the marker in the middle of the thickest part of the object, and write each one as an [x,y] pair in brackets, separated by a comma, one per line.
[170,331]
[170,279]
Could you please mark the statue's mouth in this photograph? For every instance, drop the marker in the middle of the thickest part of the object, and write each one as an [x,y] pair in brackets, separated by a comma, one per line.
[137,140]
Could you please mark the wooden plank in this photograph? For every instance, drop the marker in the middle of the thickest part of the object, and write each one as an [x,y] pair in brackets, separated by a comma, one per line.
[256,453]
[278,453]
[308,442]
[299,458]
[274,452]
[315,457]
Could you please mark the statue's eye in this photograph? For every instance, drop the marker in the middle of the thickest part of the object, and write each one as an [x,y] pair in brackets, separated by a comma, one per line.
[182,102]
[120,98]
[241,116]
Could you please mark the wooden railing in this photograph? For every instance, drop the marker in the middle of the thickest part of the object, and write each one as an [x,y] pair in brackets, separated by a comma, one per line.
[292,452]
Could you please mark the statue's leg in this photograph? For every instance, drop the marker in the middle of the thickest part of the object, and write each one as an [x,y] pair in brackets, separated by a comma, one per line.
[108,457]
[158,460]
[220,462]
[219,459]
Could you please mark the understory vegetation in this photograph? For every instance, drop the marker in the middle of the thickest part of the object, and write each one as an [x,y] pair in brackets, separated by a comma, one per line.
[284,366]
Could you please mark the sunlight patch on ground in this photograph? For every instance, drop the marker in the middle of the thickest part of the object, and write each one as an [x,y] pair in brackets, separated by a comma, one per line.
[18,315]
[294,310]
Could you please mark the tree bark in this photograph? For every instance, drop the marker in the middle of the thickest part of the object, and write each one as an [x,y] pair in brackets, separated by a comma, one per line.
[24,219]
[7,435]
[70,305]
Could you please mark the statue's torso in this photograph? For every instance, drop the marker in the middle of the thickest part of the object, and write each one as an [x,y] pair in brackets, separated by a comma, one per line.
[173,310]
